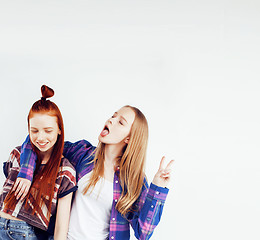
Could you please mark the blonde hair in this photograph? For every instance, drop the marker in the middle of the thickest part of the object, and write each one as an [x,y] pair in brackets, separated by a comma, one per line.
[131,164]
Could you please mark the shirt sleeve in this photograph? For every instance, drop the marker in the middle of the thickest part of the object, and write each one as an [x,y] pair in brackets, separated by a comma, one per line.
[150,205]
[11,169]
[78,153]
[68,182]
[27,160]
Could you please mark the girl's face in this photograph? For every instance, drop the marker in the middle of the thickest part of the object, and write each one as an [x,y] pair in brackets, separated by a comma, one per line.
[117,128]
[43,130]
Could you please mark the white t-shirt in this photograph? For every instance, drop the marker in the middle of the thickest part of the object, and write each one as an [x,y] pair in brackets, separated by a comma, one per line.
[90,213]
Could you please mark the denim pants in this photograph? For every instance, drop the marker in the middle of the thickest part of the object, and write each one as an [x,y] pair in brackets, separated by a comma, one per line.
[16,230]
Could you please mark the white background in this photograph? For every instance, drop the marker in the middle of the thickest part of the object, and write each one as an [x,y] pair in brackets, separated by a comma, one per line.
[192,67]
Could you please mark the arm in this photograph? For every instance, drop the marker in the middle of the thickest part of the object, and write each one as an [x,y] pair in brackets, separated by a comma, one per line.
[78,153]
[62,219]
[27,160]
[28,163]
[151,204]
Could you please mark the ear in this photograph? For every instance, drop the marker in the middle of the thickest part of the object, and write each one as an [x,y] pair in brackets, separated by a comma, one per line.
[59,132]
[127,140]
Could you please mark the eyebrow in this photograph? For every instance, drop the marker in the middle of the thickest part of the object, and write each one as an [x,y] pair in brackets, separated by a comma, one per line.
[43,128]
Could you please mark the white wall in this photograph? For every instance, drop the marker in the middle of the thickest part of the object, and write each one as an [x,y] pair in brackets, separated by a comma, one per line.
[191,66]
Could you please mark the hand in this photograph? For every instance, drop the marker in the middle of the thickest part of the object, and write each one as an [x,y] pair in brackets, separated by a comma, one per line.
[162,177]
[21,187]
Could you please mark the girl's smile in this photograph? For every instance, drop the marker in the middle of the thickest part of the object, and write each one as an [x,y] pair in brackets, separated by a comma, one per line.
[44,131]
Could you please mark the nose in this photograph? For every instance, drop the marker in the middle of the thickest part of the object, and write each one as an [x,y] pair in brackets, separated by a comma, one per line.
[41,136]
[111,120]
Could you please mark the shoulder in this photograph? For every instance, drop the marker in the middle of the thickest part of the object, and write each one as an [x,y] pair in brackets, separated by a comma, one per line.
[67,172]
[67,166]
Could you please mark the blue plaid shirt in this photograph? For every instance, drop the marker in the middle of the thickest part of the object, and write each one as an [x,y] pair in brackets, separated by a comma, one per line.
[149,205]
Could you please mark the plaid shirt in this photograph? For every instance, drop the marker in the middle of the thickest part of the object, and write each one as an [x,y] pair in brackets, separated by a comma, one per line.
[65,184]
[149,205]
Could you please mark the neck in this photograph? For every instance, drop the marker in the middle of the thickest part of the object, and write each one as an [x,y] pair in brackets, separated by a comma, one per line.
[45,156]
[112,153]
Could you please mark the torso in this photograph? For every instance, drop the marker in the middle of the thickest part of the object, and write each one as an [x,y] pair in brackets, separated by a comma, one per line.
[66,181]
[92,209]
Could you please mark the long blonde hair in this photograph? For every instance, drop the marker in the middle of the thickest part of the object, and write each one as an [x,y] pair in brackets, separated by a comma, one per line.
[131,164]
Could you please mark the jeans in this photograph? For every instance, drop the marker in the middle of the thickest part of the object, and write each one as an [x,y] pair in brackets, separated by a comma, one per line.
[16,230]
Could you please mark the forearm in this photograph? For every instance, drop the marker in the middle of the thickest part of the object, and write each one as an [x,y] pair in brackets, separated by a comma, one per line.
[145,221]
[27,160]
[60,232]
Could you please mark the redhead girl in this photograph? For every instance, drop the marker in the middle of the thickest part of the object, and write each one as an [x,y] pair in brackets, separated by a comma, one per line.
[112,188]
[33,216]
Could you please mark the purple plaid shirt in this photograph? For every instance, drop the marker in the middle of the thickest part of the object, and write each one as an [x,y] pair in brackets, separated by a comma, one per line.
[149,205]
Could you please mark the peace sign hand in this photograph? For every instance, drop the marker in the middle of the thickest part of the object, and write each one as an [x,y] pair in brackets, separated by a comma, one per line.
[162,177]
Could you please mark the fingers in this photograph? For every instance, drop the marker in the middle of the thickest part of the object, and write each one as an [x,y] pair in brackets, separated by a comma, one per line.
[16,184]
[18,187]
[169,165]
[166,172]
[21,192]
[25,192]
[161,163]
[21,188]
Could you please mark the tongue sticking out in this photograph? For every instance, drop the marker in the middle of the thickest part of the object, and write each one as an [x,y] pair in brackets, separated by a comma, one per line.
[104,133]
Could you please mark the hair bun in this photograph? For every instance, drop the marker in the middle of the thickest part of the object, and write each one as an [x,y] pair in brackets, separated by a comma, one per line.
[47,92]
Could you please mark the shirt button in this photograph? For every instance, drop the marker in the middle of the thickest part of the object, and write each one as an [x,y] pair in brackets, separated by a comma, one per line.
[116,181]
[112,237]
[152,206]
[157,192]
[115,200]
[113,219]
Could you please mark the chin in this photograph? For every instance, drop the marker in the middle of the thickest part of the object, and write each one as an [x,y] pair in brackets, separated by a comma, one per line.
[101,139]
[43,150]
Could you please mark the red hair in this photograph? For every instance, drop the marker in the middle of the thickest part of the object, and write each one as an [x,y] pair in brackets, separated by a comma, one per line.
[44,191]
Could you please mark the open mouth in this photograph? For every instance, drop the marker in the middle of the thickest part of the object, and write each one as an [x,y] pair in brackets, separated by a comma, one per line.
[105,131]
